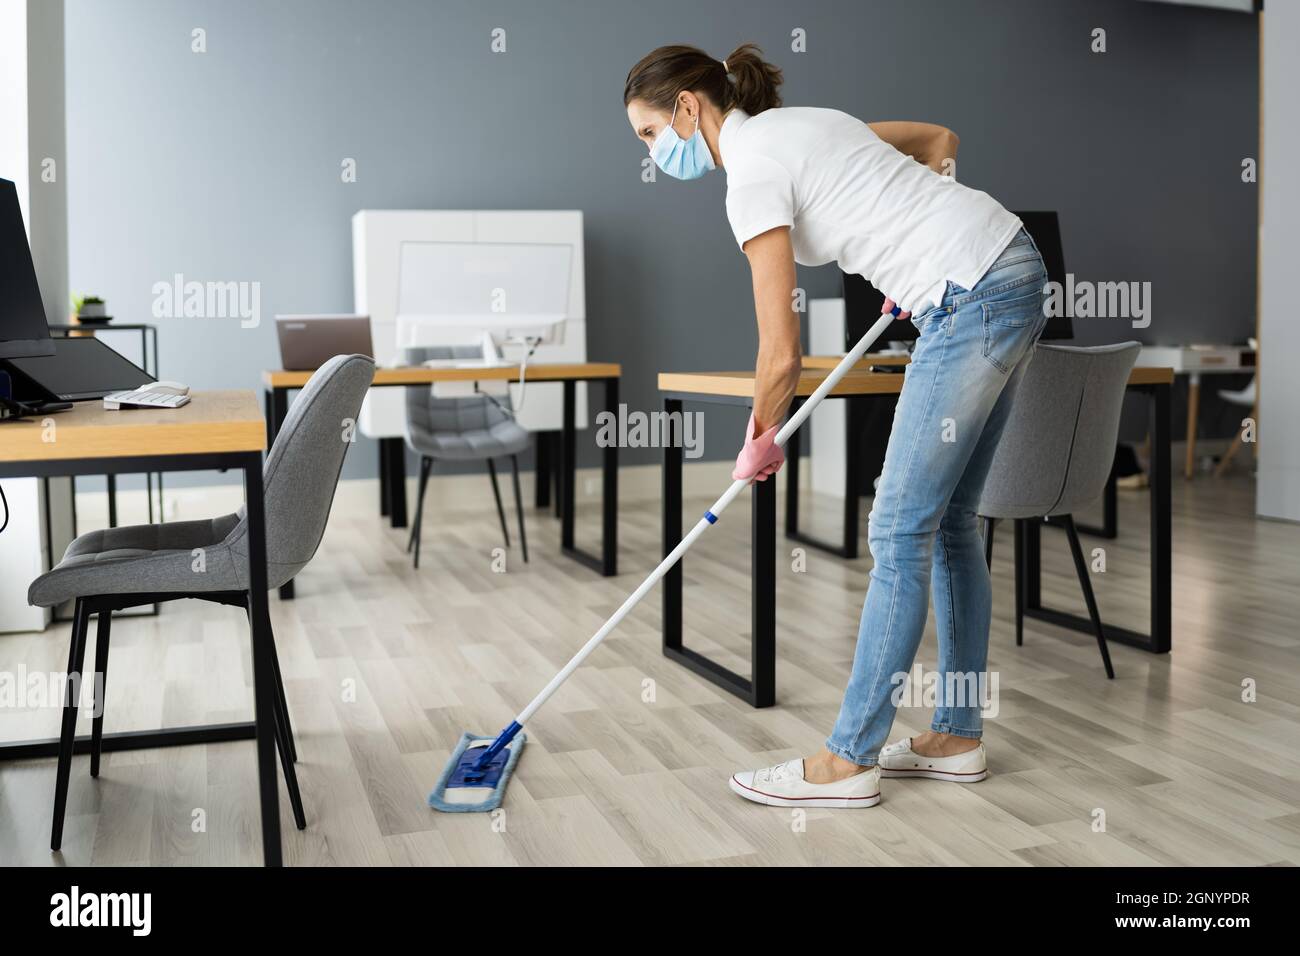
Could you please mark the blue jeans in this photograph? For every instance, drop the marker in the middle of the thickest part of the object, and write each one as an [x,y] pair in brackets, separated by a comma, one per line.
[924,532]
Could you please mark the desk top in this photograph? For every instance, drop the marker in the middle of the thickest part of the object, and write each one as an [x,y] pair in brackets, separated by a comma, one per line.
[421,375]
[211,422]
[830,361]
[1194,359]
[857,381]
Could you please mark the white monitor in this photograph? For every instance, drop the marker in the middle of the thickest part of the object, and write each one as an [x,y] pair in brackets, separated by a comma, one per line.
[453,293]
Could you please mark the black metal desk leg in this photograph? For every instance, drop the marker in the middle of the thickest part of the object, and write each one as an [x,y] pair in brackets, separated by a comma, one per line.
[268,412]
[383,480]
[793,451]
[557,469]
[606,562]
[763,594]
[1033,571]
[112,501]
[1161,537]
[1018,550]
[759,689]
[542,471]
[395,472]
[567,440]
[852,474]
[672,527]
[263,672]
[609,491]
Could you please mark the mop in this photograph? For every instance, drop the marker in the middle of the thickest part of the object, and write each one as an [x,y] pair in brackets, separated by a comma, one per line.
[475,776]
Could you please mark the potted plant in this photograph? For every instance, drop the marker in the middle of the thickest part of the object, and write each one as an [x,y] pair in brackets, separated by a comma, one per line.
[91,310]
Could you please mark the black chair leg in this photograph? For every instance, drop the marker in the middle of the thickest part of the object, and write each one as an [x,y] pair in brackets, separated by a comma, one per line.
[496,493]
[519,507]
[101,688]
[1018,543]
[426,465]
[282,733]
[284,703]
[988,542]
[71,691]
[1081,568]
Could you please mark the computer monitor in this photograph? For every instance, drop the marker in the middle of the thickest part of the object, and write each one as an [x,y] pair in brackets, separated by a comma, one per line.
[863,301]
[456,293]
[24,329]
[1045,228]
[862,305]
[81,368]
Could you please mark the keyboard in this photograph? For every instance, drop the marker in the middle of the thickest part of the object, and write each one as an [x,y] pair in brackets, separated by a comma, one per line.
[144,398]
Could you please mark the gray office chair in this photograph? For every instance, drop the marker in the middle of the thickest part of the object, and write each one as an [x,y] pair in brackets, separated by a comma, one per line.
[475,428]
[1056,452]
[110,570]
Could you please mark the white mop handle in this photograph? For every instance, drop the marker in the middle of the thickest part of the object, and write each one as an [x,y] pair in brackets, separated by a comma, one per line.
[719,506]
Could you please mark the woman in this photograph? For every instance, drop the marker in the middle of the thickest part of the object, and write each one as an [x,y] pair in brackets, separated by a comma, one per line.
[815,186]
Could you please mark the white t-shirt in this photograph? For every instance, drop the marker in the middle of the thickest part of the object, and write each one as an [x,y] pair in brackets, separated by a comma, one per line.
[851,198]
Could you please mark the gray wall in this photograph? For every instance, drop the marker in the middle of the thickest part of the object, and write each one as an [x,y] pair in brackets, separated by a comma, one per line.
[225,165]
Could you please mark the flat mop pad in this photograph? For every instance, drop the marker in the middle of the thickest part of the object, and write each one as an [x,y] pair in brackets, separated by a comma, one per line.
[462,790]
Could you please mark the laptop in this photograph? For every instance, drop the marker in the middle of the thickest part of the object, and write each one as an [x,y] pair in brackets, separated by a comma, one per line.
[309,341]
[80,369]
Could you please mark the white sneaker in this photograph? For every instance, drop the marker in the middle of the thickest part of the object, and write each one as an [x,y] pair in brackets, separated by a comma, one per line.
[899,760]
[784,786]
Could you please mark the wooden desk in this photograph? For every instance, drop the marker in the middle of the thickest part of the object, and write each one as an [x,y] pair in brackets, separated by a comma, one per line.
[859,384]
[392,454]
[216,430]
[1195,362]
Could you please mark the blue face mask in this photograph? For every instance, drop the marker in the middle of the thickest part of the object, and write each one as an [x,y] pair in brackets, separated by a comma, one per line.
[681,158]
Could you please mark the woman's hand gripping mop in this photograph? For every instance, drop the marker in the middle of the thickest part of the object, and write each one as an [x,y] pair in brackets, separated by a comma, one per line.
[476,774]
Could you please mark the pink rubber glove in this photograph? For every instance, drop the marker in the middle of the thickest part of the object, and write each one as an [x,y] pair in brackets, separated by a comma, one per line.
[761,456]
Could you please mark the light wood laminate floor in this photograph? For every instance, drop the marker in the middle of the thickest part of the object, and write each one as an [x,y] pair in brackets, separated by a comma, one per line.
[628,765]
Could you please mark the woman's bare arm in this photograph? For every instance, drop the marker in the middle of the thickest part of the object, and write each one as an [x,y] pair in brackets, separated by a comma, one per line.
[928,143]
[780,355]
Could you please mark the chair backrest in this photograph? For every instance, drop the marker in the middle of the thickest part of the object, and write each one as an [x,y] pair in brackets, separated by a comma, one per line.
[426,415]
[302,469]
[1058,445]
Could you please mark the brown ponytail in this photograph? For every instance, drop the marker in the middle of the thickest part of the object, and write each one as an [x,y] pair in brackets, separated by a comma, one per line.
[747,81]
[756,83]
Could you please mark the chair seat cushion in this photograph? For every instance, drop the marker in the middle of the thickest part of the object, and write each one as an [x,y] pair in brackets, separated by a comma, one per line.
[142,559]
[504,438]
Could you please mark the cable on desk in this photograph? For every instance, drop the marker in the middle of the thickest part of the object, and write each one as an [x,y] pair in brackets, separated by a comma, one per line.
[532,344]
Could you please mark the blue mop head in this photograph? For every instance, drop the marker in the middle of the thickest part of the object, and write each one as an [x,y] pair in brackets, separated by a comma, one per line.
[459,790]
